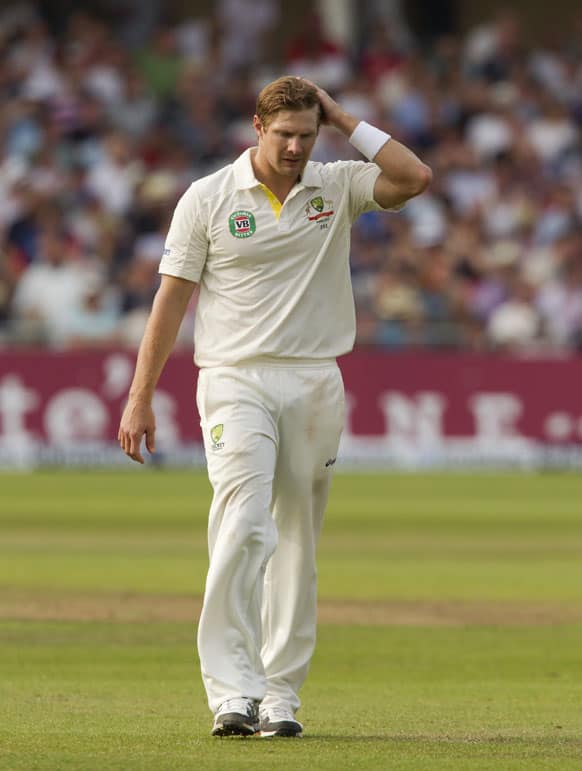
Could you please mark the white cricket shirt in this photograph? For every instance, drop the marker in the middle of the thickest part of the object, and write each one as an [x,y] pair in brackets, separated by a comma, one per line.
[274,280]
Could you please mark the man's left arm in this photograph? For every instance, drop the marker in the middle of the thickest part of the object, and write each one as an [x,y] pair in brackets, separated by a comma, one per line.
[402,176]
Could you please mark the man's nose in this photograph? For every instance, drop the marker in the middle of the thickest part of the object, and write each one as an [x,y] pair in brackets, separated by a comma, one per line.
[294,146]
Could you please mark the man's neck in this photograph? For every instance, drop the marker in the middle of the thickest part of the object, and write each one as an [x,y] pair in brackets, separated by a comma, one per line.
[278,184]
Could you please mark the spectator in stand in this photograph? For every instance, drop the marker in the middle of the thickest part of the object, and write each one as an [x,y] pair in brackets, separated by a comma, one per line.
[114,178]
[406,95]
[247,27]
[399,307]
[497,268]
[138,110]
[494,50]
[559,302]
[139,284]
[49,289]
[94,322]
[557,214]
[466,183]
[438,299]
[160,63]
[197,129]
[552,133]
[511,208]
[515,324]
[314,56]
[491,133]
[381,55]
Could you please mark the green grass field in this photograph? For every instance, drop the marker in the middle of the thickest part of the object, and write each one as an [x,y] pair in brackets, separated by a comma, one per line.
[450,625]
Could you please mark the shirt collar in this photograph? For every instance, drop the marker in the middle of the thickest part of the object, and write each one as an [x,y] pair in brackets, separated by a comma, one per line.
[245,179]
[311,176]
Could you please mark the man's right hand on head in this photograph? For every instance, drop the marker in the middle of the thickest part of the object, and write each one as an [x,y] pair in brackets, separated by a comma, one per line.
[137,420]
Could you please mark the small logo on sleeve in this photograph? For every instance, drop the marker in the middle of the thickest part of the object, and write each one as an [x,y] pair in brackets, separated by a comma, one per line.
[242,224]
[216,436]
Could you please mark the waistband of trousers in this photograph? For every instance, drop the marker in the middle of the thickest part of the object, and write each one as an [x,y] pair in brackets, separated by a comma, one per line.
[279,361]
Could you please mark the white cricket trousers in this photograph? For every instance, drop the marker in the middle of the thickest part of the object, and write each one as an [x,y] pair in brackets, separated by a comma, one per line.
[271,434]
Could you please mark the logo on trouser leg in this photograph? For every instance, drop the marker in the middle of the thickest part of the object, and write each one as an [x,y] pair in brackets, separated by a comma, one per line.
[330,462]
[216,436]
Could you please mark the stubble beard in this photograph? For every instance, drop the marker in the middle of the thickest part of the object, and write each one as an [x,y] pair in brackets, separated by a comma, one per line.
[291,170]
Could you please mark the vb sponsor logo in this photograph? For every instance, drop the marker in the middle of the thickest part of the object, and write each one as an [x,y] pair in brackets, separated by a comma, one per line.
[242,224]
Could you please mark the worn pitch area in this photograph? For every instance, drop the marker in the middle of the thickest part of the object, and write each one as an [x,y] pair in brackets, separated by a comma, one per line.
[39,606]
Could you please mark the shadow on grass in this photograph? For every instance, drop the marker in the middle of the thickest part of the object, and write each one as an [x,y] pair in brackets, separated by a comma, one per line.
[547,741]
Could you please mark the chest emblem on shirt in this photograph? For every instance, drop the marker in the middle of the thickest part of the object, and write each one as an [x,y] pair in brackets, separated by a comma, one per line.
[242,224]
[319,209]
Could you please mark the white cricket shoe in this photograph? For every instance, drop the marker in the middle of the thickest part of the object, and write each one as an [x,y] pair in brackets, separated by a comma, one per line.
[279,721]
[236,717]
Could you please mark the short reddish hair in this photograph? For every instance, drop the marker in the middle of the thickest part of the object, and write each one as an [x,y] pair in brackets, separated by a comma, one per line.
[286,93]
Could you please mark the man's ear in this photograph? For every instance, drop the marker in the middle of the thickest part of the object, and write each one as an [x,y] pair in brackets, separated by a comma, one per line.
[257,125]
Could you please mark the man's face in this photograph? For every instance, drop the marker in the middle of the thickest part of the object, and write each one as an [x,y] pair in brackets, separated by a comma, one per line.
[287,141]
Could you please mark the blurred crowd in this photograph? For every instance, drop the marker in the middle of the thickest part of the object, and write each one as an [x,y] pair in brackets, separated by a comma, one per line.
[100,137]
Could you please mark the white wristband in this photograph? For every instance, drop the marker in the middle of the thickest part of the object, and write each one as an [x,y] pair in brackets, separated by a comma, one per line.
[368,139]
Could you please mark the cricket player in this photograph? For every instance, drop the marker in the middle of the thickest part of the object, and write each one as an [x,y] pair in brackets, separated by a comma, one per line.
[267,238]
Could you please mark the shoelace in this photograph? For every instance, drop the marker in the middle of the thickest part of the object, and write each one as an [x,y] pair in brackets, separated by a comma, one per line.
[276,714]
[239,705]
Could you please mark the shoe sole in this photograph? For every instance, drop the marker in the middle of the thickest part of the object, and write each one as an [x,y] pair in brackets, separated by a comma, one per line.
[288,733]
[234,729]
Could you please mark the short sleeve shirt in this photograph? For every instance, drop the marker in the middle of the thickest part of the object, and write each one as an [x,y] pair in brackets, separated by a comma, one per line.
[272,284]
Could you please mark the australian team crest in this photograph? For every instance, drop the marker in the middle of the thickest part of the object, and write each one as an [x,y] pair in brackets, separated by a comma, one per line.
[242,224]
[319,209]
